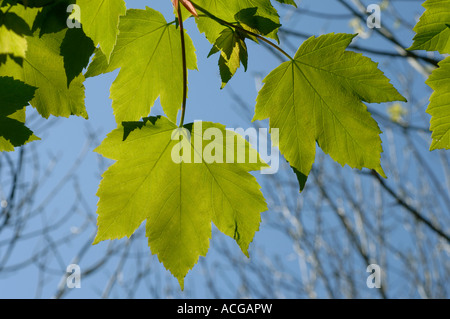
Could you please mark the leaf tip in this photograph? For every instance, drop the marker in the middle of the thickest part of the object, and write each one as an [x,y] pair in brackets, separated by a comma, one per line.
[181,283]
[301,178]
[96,240]
[379,170]
[411,48]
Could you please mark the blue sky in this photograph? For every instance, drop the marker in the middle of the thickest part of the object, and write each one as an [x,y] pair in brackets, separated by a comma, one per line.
[67,138]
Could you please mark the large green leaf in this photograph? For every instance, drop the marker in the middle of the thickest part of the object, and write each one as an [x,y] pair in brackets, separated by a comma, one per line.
[433,28]
[317,97]
[14,97]
[43,68]
[439,107]
[100,20]
[148,53]
[178,199]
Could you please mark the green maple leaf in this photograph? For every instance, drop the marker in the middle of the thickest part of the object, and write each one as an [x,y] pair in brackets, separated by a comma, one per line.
[148,53]
[178,200]
[43,68]
[433,28]
[98,65]
[76,50]
[439,107]
[256,16]
[433,34]
[233,51]
[100,20]
[231,42]
[13,30]
[317,97]
[227,10]
[251,21]
[14,97]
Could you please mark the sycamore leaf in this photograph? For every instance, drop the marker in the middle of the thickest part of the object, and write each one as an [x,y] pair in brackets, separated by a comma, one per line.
[257,16]
[227,9]
[51,18]
[98,65]
[433,34]
[11,42]
[433,28]
[249,20]
[233,52]
[14,95]
[100,20]
[76,50]
[231,42]
[13,30]
[178,199]
[317,97]
[439,107]
[148,53]
[43,68]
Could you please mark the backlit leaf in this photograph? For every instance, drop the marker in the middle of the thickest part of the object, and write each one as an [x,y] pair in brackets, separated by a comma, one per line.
[439,107]
[317,97]
[43,68]
[100,20]
[178,200]
[433,28]
[148,53]
[14,97]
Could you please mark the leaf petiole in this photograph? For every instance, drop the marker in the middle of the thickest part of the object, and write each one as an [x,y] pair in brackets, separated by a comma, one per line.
[183,57]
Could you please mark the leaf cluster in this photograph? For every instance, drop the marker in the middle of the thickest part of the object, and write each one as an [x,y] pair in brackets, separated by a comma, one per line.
[316,98]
